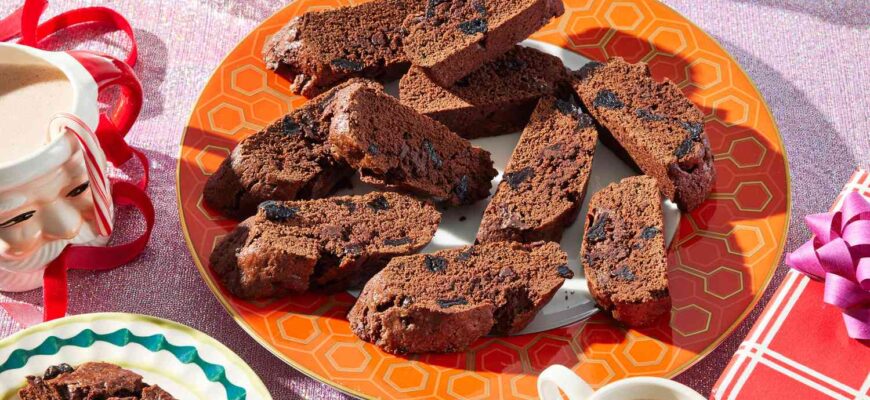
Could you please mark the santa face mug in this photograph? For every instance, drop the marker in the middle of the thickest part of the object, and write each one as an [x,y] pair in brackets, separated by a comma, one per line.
[53,187]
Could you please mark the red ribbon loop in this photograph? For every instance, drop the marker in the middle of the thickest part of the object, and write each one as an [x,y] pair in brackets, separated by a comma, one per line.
[24,22]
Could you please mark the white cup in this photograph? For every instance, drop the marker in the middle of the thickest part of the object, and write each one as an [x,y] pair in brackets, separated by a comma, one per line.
[558,378]
[45,199]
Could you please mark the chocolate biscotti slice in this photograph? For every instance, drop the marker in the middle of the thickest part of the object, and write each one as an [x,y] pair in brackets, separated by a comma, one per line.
[288,160]
[623,253]
[654,122]
[93,380]
[545,179]
[393,146]
[495,99]
[319,49]
[452,38]
[442,302]
[328,244]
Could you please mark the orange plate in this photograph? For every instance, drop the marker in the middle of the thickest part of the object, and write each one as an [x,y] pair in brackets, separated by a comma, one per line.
[724,255]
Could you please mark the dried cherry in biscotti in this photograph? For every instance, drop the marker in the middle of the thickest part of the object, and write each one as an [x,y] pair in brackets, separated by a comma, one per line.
[379,203]
[623,273]
[515,179]
[649,232]
[347,65]
[597,232]
[607,99]
[276,212]
[695,129]
[433,155]
[451,302]
[290,127]
[647,115]
[398,242]
[351,206]
[475,26]
[684,148]
[435,264]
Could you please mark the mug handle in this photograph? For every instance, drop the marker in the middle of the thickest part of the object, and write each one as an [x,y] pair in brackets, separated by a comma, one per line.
[560,377]
[108,71]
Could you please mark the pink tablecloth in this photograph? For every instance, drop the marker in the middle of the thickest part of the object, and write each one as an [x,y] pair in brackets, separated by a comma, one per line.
[808,57]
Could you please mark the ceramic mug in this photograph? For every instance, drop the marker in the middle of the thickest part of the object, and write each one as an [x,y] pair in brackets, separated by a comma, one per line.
[557,377]
[45,203]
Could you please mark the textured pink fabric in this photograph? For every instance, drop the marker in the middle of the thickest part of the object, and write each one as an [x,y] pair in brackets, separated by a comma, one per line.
[807,57]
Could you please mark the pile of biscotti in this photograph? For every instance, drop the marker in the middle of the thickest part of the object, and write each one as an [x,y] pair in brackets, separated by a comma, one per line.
[463,76]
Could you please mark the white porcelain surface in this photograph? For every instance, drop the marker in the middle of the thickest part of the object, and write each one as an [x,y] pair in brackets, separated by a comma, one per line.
[40,182]
[557,380]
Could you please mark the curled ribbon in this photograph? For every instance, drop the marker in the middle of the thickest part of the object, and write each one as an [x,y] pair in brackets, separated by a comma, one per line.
[839,254]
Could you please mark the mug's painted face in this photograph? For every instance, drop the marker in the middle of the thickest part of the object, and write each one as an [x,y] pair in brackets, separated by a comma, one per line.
[41,217]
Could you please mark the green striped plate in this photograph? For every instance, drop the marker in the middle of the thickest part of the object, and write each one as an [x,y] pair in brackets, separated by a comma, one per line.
[185,362]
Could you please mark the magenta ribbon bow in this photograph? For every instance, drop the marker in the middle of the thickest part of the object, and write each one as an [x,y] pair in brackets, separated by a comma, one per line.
[839,254]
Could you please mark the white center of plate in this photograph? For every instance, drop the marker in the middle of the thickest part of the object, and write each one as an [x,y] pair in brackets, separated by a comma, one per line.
[459,225]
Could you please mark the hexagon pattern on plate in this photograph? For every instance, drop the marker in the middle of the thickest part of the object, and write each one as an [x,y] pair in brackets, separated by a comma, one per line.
[721,261]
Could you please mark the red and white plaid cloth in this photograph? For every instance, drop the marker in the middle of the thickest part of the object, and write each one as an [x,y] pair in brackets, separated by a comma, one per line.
[798,348]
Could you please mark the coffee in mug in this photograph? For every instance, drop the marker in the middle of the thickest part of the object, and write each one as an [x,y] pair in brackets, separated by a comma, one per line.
[30,95]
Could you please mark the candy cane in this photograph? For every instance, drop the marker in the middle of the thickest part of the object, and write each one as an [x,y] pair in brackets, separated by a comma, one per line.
[72,125]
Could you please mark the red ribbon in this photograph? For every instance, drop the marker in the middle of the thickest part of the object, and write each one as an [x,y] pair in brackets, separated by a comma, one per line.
[24,23]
